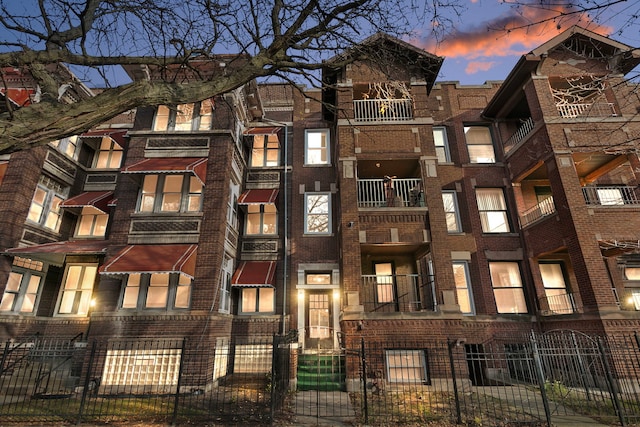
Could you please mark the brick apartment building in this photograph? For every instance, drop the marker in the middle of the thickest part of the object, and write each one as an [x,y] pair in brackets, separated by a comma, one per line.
[386,204]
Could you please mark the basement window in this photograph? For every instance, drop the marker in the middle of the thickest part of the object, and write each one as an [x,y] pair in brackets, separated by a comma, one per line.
[406,366]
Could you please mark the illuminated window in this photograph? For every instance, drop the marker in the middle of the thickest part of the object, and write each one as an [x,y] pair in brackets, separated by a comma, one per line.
[318,278]
[261,219]
[479,144]
[77,289]
[184,117]
[141,367]
[170,193]
[109,155]
[463,287]
[45,205]
[22,290]
[265,151]
[257,300]
[385,283]
[555,287]
[317,147]
[441,143]
[317,213]
[406,366]
[92,223]
[451,211]
[507,287]
[493,210]
[68,146]
[157,291]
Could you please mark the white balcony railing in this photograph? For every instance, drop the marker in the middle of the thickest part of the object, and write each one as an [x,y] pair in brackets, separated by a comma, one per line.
[519,135]
[542,209]
[381,193]
[599,109]
[611,195]
[382,110]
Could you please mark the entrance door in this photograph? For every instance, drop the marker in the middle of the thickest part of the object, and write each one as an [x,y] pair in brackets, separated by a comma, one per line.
[319,324]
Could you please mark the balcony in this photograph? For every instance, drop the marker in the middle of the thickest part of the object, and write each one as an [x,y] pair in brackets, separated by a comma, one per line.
[382,110]
[386,193]
[539,211]
[562,303]
[599,109]
[611,195]
[525,128]
[398,293]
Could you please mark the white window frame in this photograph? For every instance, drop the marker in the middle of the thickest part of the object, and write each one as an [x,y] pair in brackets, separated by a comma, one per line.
[266,145]
[308,212]
[226,275]
[47,213]
[26,269]
[451,212]
[264,228]
[112,151]
[442,144]
[505,283]
[259,306]
[555,288]
[313,155]
[409,371]
[77,292]
[489,211]
[464,292]
[197,122]
[95,222]
[477,146]
[158,194]
[136,287]
[68,146]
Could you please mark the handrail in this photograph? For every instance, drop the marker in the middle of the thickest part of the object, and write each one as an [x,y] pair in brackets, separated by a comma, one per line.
[524,129]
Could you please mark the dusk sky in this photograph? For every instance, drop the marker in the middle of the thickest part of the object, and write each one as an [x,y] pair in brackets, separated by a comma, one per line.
[474,53]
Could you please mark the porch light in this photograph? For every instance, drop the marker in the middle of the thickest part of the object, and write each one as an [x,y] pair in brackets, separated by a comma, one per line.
[336,295]
[301,294]
[92,303]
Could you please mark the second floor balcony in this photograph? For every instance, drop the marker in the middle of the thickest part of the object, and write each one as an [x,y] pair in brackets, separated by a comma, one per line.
[557,303]
[398,293]
[382,110]
[390,193]
[598,109]
[544,208]
[619,195]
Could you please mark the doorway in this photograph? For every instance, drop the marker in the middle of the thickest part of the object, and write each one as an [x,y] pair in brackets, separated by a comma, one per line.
[319,327]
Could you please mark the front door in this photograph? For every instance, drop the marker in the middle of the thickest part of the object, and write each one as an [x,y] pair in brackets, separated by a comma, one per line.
[319,320]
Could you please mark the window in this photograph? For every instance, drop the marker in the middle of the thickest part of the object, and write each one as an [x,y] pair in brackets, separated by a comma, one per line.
[265,151]
[632,272]
[385,286]
[68,146]
[610,196]
[92,223]
[170,193]
[23,287]
[317,218]
[77,289]
[45,205]
[493,210]
[406,366]
[184,117]
[479,144]
[261,219]
[317,147]
[157,291]
[442,145]
[318,278]
[225,285]
[463,287]
[451,211]
[507,287]
[141,367]
[257,300]
[555,287]
[109,155]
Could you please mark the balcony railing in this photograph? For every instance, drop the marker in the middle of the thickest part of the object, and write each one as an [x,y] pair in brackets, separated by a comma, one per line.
[542,209]
[611,195]
[397,192]
[599,109]
[382,110]
[557,304]
[398,293]
[524,129]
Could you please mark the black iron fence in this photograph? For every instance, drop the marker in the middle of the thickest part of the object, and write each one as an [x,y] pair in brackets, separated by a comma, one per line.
[528,381]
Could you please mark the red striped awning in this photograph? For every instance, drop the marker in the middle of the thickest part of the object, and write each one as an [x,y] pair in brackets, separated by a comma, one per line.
[118,135]
[18,95]
[195,165]
[97,199]
[54,253]
[153,259]
[254,274]
[259,196]
[262,131]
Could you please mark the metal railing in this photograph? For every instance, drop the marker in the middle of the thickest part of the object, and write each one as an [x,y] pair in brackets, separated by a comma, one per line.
[383,193]
[611,195]
[382,110]
[398,293]
[628,299]
[557,304]
[598,109]
[524,129]
[542,209]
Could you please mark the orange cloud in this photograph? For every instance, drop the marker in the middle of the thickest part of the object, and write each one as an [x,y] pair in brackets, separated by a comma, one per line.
[477,66]
[515,33]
